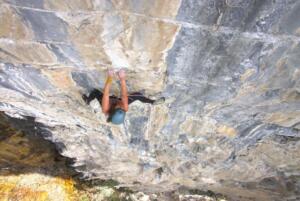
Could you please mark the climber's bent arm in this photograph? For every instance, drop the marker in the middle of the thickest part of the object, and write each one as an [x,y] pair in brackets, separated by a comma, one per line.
[124,97]
[105,98]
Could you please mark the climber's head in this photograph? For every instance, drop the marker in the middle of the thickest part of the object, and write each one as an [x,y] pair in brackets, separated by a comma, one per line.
[117,116]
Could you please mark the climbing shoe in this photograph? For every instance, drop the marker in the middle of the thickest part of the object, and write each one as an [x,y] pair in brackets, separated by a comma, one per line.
[159,101]
[85,98]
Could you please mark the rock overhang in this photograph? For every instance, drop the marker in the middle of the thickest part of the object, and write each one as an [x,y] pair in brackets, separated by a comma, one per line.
[232,86]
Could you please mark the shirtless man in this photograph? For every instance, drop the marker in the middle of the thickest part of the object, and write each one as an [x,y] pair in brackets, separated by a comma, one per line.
[112,106]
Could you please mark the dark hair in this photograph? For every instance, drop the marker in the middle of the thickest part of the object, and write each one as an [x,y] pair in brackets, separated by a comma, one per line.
[110,116]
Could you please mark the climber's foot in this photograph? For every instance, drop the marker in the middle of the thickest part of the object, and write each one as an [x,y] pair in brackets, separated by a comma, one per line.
[159,101]
[85,98]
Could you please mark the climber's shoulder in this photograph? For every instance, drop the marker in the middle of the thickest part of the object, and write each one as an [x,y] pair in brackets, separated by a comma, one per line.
[120,104]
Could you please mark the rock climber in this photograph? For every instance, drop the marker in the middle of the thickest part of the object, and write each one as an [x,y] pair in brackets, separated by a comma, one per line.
[112,106]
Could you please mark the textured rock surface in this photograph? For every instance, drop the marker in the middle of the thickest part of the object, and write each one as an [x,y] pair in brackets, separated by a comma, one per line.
[30,167]
[229,70]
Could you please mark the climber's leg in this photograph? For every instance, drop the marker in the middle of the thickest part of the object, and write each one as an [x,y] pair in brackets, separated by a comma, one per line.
[95,93]
[139,96]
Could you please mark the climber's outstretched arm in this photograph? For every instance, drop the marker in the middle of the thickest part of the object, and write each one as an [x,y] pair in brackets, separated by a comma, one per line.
[105,98]
[124,95]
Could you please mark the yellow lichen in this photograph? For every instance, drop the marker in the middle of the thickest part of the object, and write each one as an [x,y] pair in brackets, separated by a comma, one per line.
[10,191]
[226,130]
[37,187]
[247,74]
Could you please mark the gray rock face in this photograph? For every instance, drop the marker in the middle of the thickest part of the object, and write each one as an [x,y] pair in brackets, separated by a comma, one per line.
[229,70]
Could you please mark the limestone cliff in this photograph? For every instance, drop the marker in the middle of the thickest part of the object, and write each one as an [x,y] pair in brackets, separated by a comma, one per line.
[229,70]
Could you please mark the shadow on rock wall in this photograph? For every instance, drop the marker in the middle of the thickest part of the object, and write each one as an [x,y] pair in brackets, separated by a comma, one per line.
[24,150]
